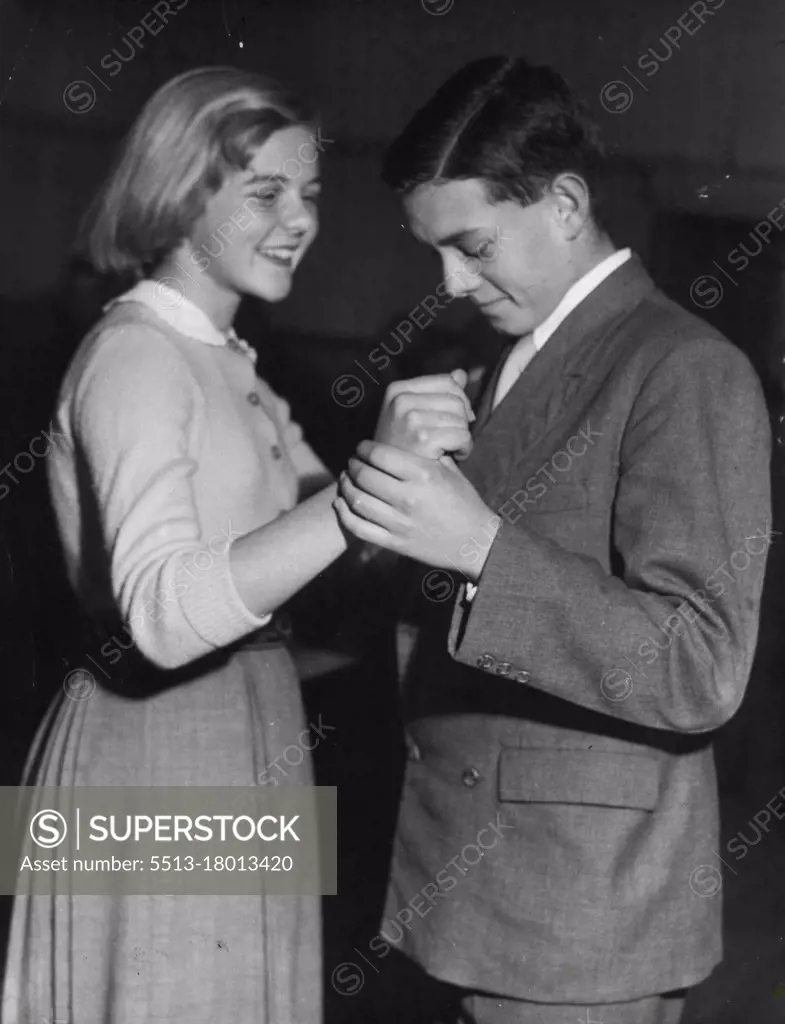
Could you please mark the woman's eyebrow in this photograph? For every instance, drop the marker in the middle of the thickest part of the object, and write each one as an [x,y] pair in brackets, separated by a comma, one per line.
[267,179]
[276,179]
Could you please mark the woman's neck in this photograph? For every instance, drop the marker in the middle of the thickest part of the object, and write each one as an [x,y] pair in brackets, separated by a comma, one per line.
[217,302]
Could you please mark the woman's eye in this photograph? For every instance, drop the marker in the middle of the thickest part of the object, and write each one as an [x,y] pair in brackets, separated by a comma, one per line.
[268,196]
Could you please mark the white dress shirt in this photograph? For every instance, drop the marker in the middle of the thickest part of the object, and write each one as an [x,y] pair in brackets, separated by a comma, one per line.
[530,344]
[525,350]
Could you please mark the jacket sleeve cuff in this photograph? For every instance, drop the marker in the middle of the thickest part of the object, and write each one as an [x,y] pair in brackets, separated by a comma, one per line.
[476,619]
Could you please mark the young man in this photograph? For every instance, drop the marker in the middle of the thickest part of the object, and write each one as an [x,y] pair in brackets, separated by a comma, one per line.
[556,848]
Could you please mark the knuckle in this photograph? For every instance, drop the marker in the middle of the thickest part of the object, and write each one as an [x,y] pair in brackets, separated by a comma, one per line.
[401,404]
[410,504]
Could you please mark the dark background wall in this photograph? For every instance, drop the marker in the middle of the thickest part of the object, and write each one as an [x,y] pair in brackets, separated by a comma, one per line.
[694,117]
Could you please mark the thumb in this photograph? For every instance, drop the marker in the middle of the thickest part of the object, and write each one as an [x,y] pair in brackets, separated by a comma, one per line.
[460,377]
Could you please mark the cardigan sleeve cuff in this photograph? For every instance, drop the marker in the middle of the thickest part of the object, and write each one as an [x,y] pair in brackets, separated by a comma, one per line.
[206,614]
[215,609]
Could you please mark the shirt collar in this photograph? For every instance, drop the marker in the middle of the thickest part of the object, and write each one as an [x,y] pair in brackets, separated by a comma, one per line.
[577,293]
[183,315]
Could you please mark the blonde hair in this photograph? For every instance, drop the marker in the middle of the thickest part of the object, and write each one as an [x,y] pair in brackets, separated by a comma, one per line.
[190,134]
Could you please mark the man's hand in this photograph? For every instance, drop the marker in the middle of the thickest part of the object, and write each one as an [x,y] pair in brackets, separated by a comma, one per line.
[419,507]
[427,416]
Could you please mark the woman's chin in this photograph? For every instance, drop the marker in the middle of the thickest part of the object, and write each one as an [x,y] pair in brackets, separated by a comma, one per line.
[269,290]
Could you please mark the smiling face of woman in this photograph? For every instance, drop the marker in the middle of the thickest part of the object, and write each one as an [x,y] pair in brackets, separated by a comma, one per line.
[257,227]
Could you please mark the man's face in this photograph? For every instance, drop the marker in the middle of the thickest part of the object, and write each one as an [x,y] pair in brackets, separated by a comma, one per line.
[513,261]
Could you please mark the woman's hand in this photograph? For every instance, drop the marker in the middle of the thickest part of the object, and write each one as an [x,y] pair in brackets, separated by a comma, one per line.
[427,416]
[420,507]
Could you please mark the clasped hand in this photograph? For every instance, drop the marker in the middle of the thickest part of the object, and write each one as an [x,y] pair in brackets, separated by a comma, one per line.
[417,502]
[427,416]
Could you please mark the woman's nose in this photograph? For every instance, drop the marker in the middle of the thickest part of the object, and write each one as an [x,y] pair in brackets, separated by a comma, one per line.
[297,216]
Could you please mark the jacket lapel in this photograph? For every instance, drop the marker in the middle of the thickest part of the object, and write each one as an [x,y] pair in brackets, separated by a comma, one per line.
[577,356]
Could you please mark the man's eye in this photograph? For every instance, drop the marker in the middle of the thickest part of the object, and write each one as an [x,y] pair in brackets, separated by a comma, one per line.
[312,197]
[486,251]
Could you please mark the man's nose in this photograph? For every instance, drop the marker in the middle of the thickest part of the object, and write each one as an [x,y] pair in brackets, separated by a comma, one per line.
[461,276]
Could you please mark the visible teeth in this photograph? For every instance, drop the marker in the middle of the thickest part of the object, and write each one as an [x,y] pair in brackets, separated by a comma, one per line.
[279,254]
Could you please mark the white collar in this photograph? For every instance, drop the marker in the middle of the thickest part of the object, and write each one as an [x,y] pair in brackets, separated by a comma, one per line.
[184,315]
[575,295]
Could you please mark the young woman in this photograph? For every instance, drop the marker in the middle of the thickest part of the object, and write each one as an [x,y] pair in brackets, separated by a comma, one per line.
[175,480]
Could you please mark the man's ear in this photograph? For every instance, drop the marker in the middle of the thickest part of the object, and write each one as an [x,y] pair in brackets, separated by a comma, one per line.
[571,204]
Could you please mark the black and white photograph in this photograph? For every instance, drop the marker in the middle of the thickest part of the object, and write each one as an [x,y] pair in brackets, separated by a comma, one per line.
[392,479]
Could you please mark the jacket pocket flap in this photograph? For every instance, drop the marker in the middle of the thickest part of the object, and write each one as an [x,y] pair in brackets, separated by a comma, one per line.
[604,778]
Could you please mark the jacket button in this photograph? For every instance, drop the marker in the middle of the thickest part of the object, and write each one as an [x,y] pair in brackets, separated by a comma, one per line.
[504,668]
[486,661]
[470,777]
[254,399]
[523,677]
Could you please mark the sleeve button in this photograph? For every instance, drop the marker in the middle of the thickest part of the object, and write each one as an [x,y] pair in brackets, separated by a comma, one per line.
[523,677]
[504,668]
[486,661]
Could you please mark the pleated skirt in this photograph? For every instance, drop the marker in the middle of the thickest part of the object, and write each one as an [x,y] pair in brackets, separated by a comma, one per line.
[176,959]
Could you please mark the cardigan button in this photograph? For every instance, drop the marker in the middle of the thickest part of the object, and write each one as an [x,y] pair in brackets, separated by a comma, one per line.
[470,777]
[254,399]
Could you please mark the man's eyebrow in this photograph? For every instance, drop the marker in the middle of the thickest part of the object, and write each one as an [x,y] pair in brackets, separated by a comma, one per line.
[456,237]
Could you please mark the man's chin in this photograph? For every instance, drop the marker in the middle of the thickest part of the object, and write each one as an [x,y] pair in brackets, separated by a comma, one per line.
[510,325]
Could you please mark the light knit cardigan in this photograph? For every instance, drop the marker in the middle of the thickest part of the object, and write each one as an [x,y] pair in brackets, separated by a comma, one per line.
[167,448]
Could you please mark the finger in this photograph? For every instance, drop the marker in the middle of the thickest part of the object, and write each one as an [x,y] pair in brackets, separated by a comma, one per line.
[428,382]
[461,378]
[415,403]
[361,528]
[441,382]
[436,441]
[376,484]
[398,463]
[374,498]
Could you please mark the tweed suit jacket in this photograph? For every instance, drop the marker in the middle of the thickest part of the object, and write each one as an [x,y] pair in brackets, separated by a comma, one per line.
[558,837]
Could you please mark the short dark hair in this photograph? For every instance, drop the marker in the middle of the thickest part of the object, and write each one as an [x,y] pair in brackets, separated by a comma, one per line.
[501,120]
